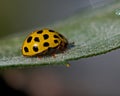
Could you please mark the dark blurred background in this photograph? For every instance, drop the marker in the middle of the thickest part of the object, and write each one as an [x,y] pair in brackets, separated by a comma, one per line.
[96,76]
[18,16]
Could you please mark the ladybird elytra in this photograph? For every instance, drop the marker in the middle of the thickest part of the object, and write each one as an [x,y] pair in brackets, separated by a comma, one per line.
[43,42]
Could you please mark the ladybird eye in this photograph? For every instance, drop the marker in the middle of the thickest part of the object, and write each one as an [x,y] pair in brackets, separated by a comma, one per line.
[56,41]
[36,39]
[45,36]
[55,36]
[39,32]
[26,49]
[46,44]
[35,48]
[29,39]
[51,31]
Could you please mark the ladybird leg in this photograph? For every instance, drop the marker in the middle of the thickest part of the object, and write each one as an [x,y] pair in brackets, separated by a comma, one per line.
[54,52]
[39,57]
[62,49]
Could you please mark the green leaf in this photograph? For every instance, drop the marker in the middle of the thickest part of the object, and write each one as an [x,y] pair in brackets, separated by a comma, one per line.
[94,32]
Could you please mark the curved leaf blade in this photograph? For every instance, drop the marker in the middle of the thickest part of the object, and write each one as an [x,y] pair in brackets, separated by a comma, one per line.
[93,35]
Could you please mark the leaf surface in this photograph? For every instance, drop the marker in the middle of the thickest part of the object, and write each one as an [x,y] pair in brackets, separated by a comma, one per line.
[94,32]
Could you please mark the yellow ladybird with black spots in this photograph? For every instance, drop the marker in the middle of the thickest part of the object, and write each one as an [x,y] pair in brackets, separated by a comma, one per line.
[44,42]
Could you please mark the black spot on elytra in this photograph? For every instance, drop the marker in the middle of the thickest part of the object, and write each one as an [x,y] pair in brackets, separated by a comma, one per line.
[61,36]
[46,44]
[39,32]
[55,36]
[29,39]
[35,48]
[56,41]
[51,31]
[26,49]
[46,36]
[36,39]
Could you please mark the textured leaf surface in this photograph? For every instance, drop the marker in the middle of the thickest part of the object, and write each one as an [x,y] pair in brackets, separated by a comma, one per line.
[95,32]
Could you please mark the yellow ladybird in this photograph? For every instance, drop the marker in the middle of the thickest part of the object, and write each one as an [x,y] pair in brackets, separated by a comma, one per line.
[44,42]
